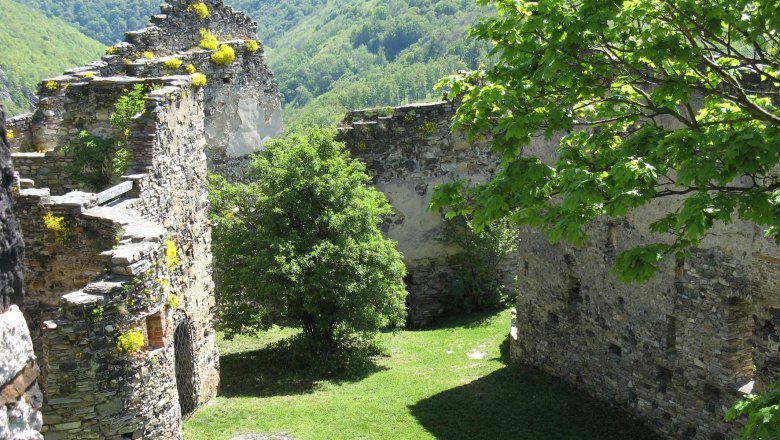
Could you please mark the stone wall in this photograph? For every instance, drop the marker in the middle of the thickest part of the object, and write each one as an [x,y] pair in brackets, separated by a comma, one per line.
[676,351]
[408,151]
[130,255]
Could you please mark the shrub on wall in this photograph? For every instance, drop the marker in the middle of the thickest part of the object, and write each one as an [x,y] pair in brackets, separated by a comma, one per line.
[172,63]
[199,80]
[93,160]
[207,40]
[130,341]
[252,46]
[199,9]
[171,256]
[224,55]
[58,226]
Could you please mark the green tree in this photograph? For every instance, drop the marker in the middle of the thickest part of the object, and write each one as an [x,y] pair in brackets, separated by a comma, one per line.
[299,245]
[655,99]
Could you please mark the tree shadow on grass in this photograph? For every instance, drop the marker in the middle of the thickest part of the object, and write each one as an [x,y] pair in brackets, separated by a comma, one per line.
[290,367]
[460,320]
[519,403]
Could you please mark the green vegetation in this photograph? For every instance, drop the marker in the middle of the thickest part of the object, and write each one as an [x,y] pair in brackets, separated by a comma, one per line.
[97,161]
[93,160]
[172,301]
[103,20]
[34,47]
[597,74]
[224,55]
[448,382]
[130,341]
[58,226]
[171,254]
[207,40]
[199,80]
[172,63]
[478,285]
[331,56]
[199,9]
[299,245]
[763,417]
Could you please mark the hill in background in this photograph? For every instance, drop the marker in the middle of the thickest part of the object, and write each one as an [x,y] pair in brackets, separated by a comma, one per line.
[32,47]
[329,56]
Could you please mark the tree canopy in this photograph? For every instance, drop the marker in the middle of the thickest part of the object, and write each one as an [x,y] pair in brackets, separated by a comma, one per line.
[655,99]
[299,245]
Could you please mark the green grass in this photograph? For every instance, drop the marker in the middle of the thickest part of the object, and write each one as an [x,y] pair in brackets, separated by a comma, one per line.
[425,387]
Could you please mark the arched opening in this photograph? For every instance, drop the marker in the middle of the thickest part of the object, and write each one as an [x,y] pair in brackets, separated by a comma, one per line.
[185,369]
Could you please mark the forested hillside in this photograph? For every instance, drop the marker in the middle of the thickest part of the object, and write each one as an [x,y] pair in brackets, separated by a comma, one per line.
[344,54]
[104,20]
[328,55]
[33,46]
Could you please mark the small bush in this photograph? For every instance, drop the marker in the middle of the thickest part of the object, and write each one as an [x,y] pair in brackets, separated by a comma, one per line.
[190,68]
[52,85]
[57,225]
[147,55]
[207,40]
[88,75]
[199,80]
[199,9]
[173,301]
[93,160]
[111,50]
[224,55]
[172,63]
[171,257]
[9,135]
[130,342]
[477,285]
[252,46]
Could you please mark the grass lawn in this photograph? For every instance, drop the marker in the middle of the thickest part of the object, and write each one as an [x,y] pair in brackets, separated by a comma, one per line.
[447,382]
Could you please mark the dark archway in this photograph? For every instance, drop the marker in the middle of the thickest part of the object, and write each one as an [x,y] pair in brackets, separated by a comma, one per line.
[185,369]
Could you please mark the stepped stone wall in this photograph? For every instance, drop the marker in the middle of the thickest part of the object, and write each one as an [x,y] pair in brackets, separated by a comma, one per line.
[408,151]
[136,255]
[242,106]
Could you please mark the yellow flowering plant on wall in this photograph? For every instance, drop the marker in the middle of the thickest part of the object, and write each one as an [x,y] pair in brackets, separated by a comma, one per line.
[199,9]
[224,55]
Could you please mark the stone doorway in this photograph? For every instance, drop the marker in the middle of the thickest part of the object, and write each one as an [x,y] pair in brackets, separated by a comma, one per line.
[185,369]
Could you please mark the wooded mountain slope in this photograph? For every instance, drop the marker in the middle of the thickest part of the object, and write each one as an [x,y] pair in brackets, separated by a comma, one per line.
[33,46]
[328,55]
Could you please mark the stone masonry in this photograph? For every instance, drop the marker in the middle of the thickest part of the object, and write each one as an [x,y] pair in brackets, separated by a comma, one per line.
[135,258]
[408,151]
[676,351]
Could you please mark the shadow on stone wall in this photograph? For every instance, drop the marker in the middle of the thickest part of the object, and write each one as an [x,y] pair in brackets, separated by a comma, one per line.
[534,407]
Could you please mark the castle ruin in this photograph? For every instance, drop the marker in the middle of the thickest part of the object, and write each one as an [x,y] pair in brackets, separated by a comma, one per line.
[132,262]
[676,352]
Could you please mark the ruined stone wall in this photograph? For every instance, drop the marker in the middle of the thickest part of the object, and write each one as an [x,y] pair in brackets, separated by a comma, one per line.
[135,256]
[408,151]
[242,105]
